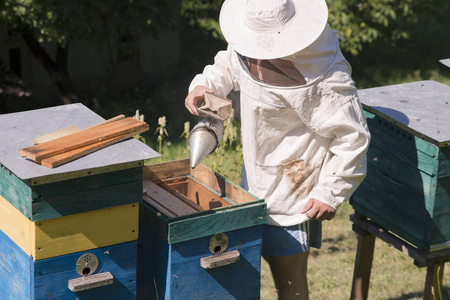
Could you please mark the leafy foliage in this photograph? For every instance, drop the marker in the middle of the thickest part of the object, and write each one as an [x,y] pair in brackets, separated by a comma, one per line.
[406,48]
[61,20]
[360,21]
[363,22]
[203,15]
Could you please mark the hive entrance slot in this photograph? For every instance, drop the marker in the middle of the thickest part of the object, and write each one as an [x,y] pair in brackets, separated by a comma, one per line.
[87,264]
[218,243]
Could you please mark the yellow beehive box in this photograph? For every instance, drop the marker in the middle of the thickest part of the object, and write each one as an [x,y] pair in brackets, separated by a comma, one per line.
[69,234]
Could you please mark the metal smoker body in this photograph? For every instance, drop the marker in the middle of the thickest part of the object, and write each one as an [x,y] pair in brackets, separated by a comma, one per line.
[204,139]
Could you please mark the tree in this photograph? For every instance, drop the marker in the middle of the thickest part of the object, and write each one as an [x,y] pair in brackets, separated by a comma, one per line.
[392,38]
[119,23]
[365,21]
[361,22]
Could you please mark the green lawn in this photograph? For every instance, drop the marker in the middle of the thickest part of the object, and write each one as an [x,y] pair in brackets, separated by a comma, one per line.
[394,275]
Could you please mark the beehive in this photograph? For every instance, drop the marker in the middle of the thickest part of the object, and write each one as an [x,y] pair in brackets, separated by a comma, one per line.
[199,235]
[407,185]
[50,217]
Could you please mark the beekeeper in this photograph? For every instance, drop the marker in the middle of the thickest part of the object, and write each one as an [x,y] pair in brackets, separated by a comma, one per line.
[304,133]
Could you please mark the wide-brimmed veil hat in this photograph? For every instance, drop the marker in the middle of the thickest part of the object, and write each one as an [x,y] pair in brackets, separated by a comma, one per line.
[268,29]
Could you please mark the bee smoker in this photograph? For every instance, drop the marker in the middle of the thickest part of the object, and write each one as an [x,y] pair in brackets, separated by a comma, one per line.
[204,139]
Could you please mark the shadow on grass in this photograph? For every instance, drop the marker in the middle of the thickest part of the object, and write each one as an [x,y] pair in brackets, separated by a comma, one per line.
[340,238]
[419,295]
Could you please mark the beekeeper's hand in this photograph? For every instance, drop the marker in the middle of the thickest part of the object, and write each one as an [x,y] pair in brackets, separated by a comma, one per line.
[196,99]
[318,210]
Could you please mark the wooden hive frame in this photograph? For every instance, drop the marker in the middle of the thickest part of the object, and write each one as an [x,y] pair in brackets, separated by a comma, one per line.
[178,199]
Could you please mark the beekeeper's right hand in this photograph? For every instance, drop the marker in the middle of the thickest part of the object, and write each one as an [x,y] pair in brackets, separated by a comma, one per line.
[196,98]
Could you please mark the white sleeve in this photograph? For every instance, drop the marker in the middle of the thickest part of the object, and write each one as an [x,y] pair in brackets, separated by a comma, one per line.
[220,76]
[346,167]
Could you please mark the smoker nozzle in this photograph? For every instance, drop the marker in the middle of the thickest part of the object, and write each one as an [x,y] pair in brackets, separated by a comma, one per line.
[204,139]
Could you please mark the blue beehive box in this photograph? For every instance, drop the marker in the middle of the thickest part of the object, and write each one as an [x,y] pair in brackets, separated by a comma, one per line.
[199,236]
[70,231]
[22,277]
[407,185]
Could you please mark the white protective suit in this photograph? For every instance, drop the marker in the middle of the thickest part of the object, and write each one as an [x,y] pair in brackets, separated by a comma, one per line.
[300,142]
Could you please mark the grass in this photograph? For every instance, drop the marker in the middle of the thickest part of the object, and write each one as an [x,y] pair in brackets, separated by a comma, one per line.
[394,275]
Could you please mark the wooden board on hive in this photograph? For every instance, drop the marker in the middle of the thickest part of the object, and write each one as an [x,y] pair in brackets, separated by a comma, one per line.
[19,130]
[165,201]
[69,130]
[109,177]
[65,157]
[82,138]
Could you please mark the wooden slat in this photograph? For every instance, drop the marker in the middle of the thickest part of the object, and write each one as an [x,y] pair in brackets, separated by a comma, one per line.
[59,159]
[55,135]
[161,171]
[83,138]
[158,206]
[222,220]
[222,185]
[90,282]
[401,245]
[69,130]
[167,200]
[219,260]
[116,118]
[182,197]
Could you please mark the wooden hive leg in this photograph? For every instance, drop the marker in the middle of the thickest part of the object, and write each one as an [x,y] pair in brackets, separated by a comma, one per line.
[433,282]
[363,264]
